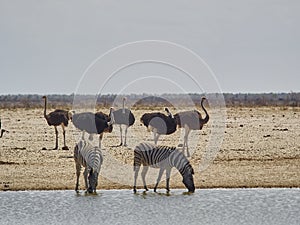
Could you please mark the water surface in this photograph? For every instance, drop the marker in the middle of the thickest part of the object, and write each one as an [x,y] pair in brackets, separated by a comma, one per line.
[211,206]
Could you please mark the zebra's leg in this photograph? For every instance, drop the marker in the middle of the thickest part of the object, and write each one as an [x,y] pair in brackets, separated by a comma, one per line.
[56,138]
[126,128]
[121,135]
[78,168]
[85,174]
[136,172]
[161,171]
[168,173]
[144,172]
[90,181]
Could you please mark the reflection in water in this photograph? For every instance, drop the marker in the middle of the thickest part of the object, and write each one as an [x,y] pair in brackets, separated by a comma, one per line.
[214,206]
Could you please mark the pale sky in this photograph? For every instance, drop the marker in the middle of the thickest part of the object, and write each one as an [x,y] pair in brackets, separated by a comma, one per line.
[252,46]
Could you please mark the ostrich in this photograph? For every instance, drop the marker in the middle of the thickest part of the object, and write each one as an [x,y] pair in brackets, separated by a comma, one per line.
[2,130]
[191,120]
[159,123]
[123,117]
[56,118]
[93,123]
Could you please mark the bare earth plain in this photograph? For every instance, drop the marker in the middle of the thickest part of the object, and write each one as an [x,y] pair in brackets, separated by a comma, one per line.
[261,148]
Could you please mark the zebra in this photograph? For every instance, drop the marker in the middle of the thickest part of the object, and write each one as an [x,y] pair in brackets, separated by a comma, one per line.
[91,158]
[165,158]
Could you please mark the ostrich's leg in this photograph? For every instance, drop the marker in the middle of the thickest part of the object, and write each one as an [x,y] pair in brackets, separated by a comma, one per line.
[156,139]
[100,139]
[121,135]
[186,137]
[187,145]
[125,142]
[56,138]
[82,136]
[64,134]
[156,136]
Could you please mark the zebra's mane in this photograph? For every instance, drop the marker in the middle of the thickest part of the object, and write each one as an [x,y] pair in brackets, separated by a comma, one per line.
[169,149]
[180,161]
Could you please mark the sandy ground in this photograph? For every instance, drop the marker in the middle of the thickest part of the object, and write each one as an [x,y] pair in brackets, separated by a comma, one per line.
[261,148]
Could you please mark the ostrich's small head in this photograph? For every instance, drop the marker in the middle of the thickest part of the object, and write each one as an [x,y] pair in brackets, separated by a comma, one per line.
[203,99]
[44,97]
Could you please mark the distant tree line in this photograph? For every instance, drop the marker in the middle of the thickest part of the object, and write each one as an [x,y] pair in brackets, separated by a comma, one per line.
[145,100]
[265,99]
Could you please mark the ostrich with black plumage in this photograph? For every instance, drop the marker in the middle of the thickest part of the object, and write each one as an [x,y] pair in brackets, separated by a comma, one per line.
[123,117]
[159,123]
[93,123]
[56,118]
[191,120]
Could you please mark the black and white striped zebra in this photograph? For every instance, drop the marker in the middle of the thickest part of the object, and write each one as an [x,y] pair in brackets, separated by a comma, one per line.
[165,158]
[91,158]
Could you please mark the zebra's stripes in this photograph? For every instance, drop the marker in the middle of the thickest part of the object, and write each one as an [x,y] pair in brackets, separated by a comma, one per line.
[165,158]
[91,158]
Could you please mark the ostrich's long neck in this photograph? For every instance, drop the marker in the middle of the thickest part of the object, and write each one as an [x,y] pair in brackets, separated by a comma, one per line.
[45,108]
[205,120]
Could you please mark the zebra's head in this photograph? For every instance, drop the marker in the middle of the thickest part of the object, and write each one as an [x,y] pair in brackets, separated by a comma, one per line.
[93,181]
[188,179]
